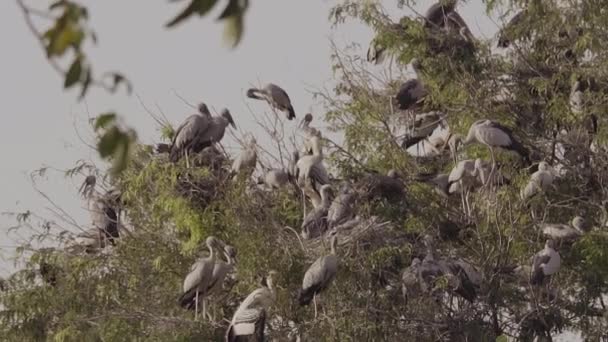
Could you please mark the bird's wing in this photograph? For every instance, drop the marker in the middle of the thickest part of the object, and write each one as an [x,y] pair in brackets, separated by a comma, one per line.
[194,277]
[279,95]
[185,129]
[314,274]
[539,259]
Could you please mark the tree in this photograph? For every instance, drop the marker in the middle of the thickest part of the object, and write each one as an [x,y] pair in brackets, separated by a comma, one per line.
[129,291]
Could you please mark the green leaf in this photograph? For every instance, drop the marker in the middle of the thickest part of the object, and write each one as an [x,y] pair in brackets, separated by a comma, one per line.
[61,40]
[121,153]
[200,7]
[103,120]
[234,8]
[74,73]
[233,30]
[109,142]
[502,338]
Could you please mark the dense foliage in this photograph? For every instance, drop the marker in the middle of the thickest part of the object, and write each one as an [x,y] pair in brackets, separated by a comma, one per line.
[129,291]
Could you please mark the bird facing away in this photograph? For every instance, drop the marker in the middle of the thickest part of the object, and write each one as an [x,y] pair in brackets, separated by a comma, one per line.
[545,263]
[188,133]
[493,134]
[199,278]
[245,163]
[319,275]
[249,319]
[565,232]
[274,178]
[539,181]
[341,208]
[275,96]
[315,222]
[412,92]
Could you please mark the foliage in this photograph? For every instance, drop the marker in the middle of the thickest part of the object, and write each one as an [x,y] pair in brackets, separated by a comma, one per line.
[129,291]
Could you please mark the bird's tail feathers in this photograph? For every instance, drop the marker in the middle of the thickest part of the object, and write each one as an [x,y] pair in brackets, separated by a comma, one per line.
[292,113]
[174,154]
[186,300]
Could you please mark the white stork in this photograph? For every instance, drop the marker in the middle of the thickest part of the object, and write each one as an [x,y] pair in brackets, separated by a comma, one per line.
[319,275]
[250,318]
[275,96]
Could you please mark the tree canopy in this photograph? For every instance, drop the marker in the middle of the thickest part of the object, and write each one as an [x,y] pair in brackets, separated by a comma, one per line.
[545,87]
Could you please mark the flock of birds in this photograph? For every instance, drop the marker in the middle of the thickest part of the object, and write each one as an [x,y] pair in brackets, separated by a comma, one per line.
[428,135]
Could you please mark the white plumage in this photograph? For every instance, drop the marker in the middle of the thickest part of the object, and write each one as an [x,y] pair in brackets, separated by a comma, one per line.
[565,232]
[275,178]
[545,263]
[245,163]
[540,180]
[311,174]
[249,318]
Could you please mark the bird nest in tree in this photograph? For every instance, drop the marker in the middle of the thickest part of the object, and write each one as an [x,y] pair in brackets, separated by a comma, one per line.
[358,234]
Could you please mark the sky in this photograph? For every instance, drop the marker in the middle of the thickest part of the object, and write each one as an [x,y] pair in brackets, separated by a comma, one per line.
[286,42]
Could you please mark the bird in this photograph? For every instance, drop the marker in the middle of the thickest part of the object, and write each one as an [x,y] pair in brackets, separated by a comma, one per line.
[245,163]
[188,133]
[341,208]
[216,130]
[469,279]
[431,145]
[315,223]
[311,174]
[275,96]
[249,319]
[540,180]
[387,186]
[308,133]
[492,134]
[565,232]
[199,278]
[105,214]
[412,92]
[319,275]
[410,283]
[89,241]
[545,263]
[437,14]
[429,269]
[576,98]
[274,178]
[440,182]
[221,269]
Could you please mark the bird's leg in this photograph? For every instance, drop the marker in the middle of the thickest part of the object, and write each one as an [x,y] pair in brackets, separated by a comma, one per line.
[187,159]
[196,306]
[303,203]
[493,166]
[314,300]
[204,309]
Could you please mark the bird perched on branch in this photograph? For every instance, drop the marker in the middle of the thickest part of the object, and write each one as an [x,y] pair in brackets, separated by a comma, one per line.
[275,96]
